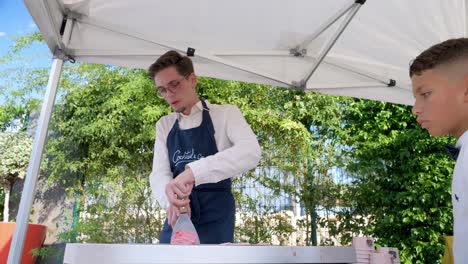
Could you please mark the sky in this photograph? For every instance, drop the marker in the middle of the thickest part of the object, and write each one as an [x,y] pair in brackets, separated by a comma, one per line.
[14,21]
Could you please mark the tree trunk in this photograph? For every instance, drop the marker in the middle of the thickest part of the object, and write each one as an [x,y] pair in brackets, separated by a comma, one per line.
[7,188]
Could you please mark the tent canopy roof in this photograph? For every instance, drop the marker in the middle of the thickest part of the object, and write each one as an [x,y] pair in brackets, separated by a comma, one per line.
[263,41]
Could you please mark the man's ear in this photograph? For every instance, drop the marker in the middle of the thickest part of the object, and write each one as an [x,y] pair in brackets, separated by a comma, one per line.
[193,79]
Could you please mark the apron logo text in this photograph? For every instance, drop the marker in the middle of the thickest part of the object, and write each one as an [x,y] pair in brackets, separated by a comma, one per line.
[186,157]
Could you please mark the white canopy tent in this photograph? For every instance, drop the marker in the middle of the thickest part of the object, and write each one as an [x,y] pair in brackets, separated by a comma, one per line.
[342,47]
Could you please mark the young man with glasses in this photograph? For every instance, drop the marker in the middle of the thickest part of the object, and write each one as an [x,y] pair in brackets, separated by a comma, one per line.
[198,149]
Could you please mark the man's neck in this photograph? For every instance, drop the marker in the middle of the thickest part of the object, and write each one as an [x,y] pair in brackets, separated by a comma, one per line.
[188,110]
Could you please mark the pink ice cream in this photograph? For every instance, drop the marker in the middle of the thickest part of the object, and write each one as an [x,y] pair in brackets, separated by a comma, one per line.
[184,237]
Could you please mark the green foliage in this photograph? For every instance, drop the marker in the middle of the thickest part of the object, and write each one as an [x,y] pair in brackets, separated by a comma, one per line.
[103,150]
[2,201]
[49,253]
[15,149]
[22,83]
[21,43]
[401,181]
[296,132]
[395,183]
[275,228]
[41,252]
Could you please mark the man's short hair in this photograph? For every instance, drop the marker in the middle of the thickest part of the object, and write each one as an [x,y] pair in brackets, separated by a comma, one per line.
[182,64]
[444,53]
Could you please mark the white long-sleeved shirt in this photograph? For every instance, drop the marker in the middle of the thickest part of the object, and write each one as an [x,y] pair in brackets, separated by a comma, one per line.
[460,202]
[238,148]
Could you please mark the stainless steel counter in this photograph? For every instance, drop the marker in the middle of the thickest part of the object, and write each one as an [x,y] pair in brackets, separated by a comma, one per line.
[143,253]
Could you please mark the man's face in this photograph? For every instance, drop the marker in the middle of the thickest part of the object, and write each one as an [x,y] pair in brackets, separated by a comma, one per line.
[440,103]
[178,91]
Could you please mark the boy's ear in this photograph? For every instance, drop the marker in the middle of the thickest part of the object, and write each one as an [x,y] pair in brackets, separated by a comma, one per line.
[465,87]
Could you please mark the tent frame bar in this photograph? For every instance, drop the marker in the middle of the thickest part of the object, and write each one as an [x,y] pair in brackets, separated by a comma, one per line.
[156,52]
[351,13]
[351,8]
[466,18]
[383,80]
[29,189]
[346,86]
[58,40]
[279,53]
[183,50]
[301,49]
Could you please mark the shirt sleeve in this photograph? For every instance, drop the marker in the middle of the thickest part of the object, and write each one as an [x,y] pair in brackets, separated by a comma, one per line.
[161,173]
[460,206]
[243,155]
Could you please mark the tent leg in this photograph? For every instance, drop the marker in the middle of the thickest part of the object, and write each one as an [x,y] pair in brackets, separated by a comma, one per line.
[29,189]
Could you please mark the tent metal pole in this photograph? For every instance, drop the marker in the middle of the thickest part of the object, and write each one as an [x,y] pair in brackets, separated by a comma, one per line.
[30,182]
[59,41]
[361,72]
[325,26]
[466,18]
[330,44]
[198,53]
[330,86]
[158,52]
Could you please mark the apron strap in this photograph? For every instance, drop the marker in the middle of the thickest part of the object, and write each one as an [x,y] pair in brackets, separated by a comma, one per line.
[207,118]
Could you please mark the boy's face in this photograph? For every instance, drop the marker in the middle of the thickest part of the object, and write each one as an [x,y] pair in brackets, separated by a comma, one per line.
[440,104]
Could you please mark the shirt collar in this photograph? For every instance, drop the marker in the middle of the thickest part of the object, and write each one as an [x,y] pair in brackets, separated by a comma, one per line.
[195,109]
[463,140]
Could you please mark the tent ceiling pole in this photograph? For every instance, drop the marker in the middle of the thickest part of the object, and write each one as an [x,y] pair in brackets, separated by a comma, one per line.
[198,53]
[243,68]
[58,40]
[351,14]
[326,86]
[278,53]
[369,75]
[30,182]
[466,18]
[300,50]
[158,52]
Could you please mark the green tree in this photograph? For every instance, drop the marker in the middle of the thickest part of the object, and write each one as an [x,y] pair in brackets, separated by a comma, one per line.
[400,193]
[103,134]
[2,201]
[15,149]
[102,148]
[295,131]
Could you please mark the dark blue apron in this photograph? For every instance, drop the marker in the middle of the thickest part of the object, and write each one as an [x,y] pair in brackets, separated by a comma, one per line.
[212,204]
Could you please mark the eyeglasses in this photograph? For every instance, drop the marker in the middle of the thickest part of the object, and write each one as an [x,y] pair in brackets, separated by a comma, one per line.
[171,86]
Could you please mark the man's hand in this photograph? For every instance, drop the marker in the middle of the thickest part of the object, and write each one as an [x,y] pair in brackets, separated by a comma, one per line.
[173,214]
[179,189]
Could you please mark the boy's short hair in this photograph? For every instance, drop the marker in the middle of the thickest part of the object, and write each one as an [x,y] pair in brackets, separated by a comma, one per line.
[182,64]
[446,52]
